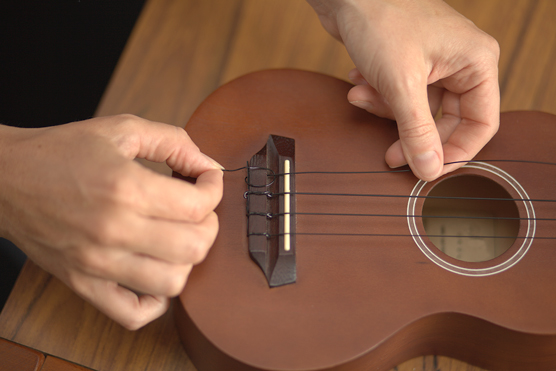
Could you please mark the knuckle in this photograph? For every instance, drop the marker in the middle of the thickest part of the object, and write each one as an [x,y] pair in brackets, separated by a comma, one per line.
[114,194]
[125,130]
[495,47]
[139,314]
[419,130]
[127,119]
[204,239]
[198,251]
[76,282]
[212,226]
[492,45]
[489,52]
[133,323]
[125,123]
[90,261]
[494,129]
[175,284]
[111,226]
[121,189]
[490,128]
[197,212]
[107,233]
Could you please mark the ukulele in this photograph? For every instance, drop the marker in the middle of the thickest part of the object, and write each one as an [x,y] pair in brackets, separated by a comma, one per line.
[327,259]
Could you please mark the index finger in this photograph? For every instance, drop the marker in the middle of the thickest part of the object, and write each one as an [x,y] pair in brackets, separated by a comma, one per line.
[140,138]
[175,199]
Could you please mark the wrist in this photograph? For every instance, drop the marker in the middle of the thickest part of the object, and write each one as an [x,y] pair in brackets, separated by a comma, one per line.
[10,174]
[327,12]
[5,133]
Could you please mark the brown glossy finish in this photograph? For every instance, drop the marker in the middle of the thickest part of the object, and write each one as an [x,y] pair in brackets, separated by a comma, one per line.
[15,357]
[362,301]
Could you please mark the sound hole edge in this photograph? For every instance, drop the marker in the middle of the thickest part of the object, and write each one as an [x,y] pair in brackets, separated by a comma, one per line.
[477,180]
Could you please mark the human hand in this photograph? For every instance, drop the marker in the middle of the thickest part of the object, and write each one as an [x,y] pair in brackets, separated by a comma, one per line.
[414,58]
[78,205]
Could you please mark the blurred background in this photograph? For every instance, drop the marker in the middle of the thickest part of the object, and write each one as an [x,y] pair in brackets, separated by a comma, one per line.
[58,57]
[180,51]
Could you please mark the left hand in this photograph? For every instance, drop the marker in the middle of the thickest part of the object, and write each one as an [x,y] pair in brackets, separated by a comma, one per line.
[413,58]
[75,201]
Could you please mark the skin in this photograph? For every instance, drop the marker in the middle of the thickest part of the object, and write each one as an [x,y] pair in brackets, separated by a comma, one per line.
[413,58]
[79,206]
[125,238]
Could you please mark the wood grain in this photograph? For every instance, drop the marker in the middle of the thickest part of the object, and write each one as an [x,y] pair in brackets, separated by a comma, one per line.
[244,112]
[180,51]
[14,357]
[283,34]
[46,315]
[435,363]
[526,33]
[531,81]
[165,72]
[172,59]
[227,39]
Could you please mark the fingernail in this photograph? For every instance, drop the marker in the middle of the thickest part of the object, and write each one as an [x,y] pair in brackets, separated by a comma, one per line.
[355,77]
[214,162]
[396,166]
[362,104]
[358,81]
[427,165]
[353,73]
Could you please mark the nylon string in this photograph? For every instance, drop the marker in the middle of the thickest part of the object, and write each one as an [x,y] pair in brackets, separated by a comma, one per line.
[274,175]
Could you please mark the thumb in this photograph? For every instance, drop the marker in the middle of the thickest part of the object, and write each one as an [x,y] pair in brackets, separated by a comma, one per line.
[419,138]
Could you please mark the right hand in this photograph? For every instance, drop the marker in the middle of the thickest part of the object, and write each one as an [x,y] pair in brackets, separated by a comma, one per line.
[73,199]
[414,57]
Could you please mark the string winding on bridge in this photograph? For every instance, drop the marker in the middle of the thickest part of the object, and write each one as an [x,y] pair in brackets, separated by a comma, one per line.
[271,208]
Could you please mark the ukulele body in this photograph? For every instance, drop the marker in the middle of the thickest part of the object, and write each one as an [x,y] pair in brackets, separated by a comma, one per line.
[364,302]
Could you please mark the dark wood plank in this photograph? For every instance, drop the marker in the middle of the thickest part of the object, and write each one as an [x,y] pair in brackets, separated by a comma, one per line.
[15,357]
[46,315]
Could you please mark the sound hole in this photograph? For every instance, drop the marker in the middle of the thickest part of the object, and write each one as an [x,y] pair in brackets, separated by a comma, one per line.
[472,230]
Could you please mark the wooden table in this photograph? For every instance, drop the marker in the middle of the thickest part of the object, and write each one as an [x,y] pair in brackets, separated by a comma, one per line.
[17,357]
[179,52]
